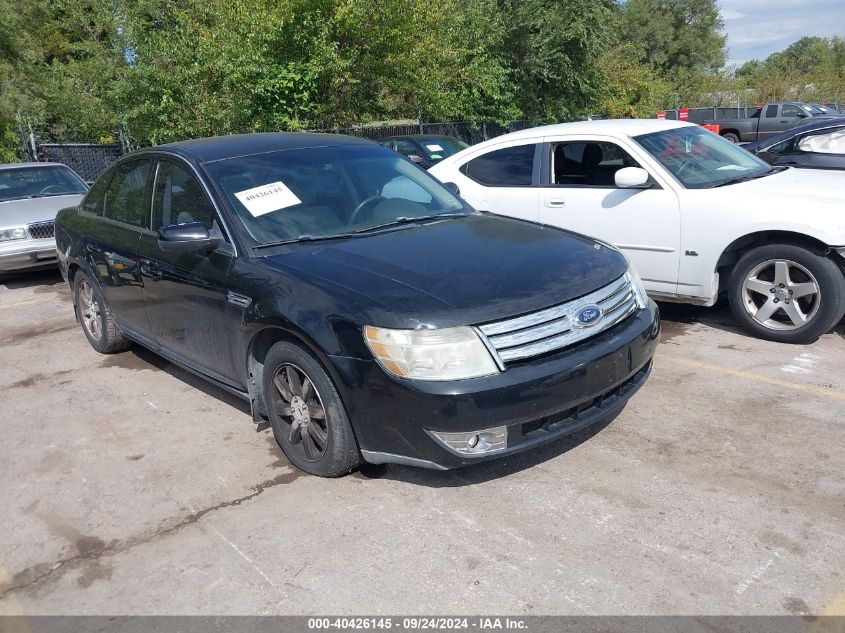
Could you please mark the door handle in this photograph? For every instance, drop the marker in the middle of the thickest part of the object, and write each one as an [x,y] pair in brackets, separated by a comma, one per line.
[555,202]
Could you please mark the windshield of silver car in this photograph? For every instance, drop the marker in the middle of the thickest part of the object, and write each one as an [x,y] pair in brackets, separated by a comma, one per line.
[323,192]
[18,183]
[700,159]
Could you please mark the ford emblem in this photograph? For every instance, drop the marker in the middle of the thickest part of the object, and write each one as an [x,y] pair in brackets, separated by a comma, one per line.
[588,316]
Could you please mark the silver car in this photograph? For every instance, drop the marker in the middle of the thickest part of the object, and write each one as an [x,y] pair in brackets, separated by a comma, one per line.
[30,196]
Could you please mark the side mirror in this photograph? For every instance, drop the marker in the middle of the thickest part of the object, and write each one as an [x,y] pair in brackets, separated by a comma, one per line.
[452,188]
[766,156]
[192,237]
[632,178]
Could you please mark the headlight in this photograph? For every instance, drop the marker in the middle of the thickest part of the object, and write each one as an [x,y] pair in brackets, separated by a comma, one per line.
[637,285]
[445,354]
[18,233]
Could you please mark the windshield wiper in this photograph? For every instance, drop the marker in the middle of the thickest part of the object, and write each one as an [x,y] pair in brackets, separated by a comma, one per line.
[395,222]
[738,179]
[302,238]
[403,219]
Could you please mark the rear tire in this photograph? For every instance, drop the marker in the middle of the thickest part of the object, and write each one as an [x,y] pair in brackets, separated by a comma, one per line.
[730,136]
[306,413]
[787,293]
[95,317]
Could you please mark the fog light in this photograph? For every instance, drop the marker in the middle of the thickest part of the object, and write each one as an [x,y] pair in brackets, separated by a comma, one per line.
[481,442]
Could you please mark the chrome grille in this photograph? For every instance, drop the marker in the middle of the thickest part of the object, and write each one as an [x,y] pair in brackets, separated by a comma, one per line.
[41,230]
[553,328]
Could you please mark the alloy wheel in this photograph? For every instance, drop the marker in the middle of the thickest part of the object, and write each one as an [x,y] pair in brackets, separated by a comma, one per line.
[89,310]
[781,294]
[300,408]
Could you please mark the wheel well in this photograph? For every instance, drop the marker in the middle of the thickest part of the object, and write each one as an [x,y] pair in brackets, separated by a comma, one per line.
[729,131]
[258,349]
[72,269]
[739,247]
[71,273]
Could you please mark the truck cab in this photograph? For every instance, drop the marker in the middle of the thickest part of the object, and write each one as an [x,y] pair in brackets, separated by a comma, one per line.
[767,121]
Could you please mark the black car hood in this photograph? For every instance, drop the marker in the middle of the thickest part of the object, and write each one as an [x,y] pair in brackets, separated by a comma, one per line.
[464,270]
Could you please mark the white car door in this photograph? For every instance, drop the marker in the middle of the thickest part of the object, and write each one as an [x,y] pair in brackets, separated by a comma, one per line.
[578,192]
[501,179]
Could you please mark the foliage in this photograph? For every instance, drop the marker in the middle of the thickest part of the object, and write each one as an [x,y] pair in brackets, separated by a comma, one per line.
[631,89]
[811,69]
[676,36]
[171,69]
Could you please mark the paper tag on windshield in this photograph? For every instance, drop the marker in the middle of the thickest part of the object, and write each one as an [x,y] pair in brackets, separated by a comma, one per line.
[434,148]
[267,198]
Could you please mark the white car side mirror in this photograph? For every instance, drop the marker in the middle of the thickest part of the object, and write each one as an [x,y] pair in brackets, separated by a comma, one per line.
[631,178]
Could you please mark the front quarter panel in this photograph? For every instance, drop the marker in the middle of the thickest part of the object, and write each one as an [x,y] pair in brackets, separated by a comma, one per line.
[711,220]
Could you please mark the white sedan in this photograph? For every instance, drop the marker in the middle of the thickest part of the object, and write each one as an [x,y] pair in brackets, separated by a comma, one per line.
[697,215]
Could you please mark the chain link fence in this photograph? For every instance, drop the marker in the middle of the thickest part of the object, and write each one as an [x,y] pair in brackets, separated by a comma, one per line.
[468,132]
[88,160]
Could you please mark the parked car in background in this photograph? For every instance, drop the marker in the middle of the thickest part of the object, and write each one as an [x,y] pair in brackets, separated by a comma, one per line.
[815,145]
[424,150]
[357,304]
[826,108]
[697,215]
[766,122]
[30,196]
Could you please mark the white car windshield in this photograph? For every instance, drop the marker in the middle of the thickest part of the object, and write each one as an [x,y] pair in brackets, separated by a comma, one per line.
[700,159]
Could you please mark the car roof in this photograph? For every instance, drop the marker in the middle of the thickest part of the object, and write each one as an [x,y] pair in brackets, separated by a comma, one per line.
[223,147]
[418,137]
[626,127]
[821,124]
[29,165]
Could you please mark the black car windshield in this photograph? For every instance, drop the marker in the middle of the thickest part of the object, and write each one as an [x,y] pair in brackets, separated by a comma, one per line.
[700,159]
[18,183]
[441,146]
[323,192]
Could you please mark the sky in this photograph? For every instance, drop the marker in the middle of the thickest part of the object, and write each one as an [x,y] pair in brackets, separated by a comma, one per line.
[757,28]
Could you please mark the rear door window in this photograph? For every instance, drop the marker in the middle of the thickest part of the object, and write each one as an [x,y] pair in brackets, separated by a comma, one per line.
[127,194]
[506,167]
[93,202]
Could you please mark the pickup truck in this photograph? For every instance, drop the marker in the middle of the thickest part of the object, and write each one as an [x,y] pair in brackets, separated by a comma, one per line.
[767,121]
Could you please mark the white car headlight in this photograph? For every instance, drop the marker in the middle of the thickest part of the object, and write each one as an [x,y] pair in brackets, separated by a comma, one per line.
[438,354]
[637,285]
[18,233]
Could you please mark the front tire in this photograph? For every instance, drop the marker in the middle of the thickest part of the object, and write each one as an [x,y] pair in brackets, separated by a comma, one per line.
[95,317]
[787,293]
[306,413]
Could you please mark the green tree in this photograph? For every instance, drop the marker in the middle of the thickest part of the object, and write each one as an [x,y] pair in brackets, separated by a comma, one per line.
[551,48]
[681,39]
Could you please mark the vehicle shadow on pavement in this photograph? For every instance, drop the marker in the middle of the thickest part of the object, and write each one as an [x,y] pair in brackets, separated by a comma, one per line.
[34,279]
[138,357]
[677,317]
[484,471]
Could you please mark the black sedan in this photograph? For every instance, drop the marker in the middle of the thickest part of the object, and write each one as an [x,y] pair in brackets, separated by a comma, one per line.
[423,149]
[358,305]
[816,145]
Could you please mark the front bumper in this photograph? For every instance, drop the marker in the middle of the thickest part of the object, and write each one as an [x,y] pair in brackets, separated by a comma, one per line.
[28,253]
[537,400]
